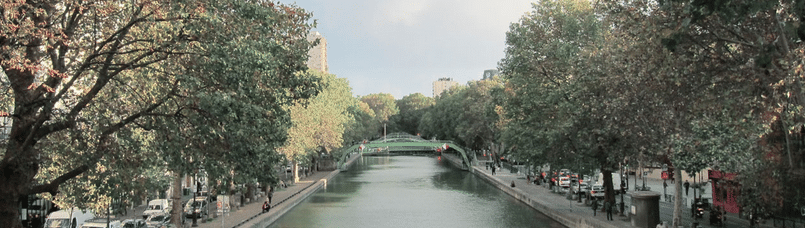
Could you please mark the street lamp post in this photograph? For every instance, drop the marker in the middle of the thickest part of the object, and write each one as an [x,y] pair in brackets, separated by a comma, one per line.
[623,192]
[195,194]
[578,180]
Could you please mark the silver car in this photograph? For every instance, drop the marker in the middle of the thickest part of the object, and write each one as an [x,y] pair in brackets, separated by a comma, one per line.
[158,220]
[196,208]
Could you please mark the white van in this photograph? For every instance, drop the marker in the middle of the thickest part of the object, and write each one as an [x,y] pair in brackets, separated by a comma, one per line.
[157,206]
[616,180]
[101,223]
[68,218]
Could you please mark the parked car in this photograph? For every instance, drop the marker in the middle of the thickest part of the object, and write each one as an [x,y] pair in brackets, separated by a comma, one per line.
[580,191]
[158,220]
[101,223]
[196,208]
[596,192]
[134,223]
[564,181]
[564,172]
[157,206]
[68,218]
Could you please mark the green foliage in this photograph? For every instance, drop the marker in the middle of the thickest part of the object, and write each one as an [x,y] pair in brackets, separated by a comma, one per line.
[362,125]
[412,108]
[383,104]
[441,120]
[321,121]
[550,114]
[116,96]
[478,120]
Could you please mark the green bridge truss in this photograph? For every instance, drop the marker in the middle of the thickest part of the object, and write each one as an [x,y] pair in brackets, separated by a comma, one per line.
[400,143]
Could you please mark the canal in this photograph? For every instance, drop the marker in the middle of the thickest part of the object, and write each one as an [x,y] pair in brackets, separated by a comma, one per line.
[410,191]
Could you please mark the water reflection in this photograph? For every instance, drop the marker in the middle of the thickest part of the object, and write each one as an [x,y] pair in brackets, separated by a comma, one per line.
[410,191]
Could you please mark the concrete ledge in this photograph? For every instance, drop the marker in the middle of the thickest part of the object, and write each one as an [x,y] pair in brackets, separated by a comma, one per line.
[266,219]
[567,219]
[453,160]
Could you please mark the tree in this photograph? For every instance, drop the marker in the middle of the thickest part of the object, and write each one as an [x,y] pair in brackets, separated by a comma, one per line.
[478,119]
[88,79]
[362,125]
[384,106]
[320,121]
[748,56]
[552,102]
[713,88]
[440,121]
[412,107]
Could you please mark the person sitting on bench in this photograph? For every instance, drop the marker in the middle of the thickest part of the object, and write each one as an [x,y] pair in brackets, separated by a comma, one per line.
[266,206]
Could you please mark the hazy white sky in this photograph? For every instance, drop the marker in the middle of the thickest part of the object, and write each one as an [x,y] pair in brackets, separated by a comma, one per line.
[401,46]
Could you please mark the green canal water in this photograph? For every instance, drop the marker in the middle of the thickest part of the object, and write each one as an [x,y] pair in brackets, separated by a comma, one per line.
[410,191]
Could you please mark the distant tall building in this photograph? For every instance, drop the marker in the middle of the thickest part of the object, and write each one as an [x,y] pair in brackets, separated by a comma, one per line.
[488,74]
[441,85]
[318,54]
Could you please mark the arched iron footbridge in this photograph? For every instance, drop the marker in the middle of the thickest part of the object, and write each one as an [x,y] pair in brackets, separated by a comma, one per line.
[402,143]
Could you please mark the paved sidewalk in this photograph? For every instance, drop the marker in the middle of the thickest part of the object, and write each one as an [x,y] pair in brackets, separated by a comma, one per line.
[559,203]
[252,209]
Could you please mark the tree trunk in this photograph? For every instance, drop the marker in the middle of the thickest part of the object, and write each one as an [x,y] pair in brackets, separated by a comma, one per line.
[295,171]
[15,178]
[250,192]
[677,198]
[176,196]
[9,207]
[609,192]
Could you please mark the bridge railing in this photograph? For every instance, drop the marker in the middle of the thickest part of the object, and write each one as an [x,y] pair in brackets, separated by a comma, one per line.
[407,148]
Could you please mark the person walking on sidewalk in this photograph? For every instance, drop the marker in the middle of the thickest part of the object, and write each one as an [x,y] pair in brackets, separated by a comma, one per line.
[270,194]
[687,186]
[595,206]
[608,208]
[493,169]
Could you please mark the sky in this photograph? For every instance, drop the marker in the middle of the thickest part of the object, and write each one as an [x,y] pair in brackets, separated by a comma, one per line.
[401,46]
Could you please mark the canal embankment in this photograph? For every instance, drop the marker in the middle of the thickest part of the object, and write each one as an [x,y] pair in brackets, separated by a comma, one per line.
[542,200]
[250,216]
[265,219]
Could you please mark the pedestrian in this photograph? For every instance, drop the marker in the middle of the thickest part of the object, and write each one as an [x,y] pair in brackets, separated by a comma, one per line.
[270,194]
[687,186]
[37,222]
[595,206]
[493,169]
[266,207]
[608,208]
[512,184]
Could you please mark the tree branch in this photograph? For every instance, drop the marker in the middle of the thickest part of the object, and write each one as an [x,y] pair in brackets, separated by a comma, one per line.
[53,186]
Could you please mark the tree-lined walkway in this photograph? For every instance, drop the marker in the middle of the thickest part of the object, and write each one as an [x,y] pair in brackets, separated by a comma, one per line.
[560,204]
